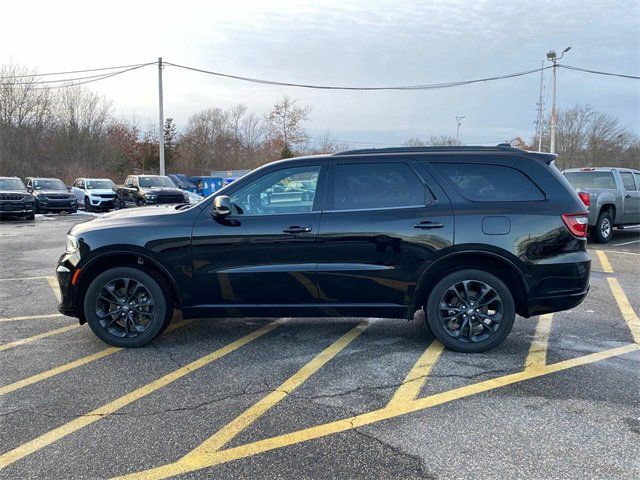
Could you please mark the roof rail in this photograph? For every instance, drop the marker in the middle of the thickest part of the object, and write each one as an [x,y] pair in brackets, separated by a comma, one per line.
[427,149]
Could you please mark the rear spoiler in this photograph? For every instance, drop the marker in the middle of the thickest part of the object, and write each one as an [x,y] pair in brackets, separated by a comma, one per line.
[547,158]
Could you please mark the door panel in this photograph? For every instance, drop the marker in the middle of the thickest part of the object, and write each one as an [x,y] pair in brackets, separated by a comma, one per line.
[265,252]
[252,260]
[631,199]
[376,255]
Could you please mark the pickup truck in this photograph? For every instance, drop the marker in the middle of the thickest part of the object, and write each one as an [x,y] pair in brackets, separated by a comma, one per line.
[139,190]
[612,196]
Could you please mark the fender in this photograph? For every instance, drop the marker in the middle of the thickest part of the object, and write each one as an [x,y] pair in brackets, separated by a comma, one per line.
[460,251]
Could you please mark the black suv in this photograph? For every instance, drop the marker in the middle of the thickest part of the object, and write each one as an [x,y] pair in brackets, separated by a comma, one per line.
[52,195]
[472,235]
[15,199]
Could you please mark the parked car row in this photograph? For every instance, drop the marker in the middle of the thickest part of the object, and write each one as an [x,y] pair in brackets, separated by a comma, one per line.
[44,195]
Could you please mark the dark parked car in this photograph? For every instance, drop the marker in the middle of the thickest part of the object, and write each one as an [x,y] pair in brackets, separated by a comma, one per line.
[472,235]
[143,190]
[15,200]
[51,195]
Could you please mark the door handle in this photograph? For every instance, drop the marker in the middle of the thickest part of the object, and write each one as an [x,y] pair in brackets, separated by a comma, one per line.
[628,195]
[297,229]
[427,225]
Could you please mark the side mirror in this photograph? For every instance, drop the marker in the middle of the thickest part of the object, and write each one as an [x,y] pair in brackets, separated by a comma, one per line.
[221,206]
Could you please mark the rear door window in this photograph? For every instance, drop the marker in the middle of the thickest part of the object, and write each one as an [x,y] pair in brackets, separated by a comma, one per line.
[367,186]
[489,183]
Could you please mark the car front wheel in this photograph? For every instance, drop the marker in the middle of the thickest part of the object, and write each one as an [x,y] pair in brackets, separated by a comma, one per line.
[470,311]
[126,307]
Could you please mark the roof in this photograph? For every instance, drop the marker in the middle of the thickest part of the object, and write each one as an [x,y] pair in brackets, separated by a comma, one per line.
[500,148]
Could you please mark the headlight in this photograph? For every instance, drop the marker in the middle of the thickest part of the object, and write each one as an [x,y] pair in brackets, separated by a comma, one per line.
[150,196]
[72,244]
[41,195]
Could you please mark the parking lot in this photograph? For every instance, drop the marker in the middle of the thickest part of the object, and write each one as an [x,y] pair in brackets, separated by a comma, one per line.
[315,398]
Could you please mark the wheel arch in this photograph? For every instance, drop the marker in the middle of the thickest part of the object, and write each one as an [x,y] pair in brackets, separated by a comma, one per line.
[114,259]
[493,263]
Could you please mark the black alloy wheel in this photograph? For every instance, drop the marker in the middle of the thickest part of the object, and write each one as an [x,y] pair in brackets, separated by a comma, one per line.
[470,311]
[127,307]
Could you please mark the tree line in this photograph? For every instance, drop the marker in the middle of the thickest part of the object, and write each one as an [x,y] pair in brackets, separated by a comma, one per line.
[72,131]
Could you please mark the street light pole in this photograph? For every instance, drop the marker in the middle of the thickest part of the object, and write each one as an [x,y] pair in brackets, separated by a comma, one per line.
[459,122]
[552,57]
[160,117]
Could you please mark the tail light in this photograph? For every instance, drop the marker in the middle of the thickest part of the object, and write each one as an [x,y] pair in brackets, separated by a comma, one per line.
[586,199]
[577,223]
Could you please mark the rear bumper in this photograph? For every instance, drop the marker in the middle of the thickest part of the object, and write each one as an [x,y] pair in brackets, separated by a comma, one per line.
[555,303]
[559,286]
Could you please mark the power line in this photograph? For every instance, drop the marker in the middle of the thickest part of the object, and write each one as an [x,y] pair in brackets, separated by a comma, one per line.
[72,82]
[428,86]
[75,71]
[621,75]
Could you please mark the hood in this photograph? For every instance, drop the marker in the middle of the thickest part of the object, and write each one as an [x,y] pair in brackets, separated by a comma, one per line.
[53,192]
[14,192]
[100,191]
[160,189]
[126,217]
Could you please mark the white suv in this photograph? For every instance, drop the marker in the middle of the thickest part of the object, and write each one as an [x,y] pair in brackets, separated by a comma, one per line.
[94,193]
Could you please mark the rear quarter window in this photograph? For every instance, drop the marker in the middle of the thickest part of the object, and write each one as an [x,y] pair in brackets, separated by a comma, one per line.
[489,183]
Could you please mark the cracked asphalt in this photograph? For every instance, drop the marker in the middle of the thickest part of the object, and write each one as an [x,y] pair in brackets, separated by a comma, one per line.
[581,422]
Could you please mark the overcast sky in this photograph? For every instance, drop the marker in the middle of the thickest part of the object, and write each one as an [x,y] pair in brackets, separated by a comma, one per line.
[345,43]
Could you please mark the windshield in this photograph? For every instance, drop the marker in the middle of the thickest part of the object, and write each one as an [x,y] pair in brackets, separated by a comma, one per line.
[52,184]
[99,184]
[156,182]
[11,184]
[592,179]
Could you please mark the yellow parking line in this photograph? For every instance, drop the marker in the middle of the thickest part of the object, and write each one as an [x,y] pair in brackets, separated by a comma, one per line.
[50,333]
[20,279]
[244,420]
[604,261]
[53,283]
[115,405]
[12,387]
[396,410]
[32,317]
[416,377]
[537,357]
[625,308]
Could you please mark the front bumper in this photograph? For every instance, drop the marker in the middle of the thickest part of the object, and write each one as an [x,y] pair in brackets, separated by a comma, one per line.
[101,202]
[16,207]
[67,266]
[46,205]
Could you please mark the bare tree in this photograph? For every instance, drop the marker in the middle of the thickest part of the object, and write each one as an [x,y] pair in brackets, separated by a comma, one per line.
[284,123]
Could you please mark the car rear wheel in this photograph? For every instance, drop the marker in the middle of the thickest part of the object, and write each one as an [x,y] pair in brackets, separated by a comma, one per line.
[127,307]
[603,230]
[470,311]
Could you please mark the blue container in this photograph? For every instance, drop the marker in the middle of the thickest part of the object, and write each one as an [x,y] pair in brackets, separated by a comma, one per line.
[206,185]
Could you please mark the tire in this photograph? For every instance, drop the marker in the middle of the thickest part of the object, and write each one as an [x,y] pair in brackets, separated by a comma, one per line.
[31,216]
[491,323]
[87,205]
[36,208]
[602,232]
[118,329]
[140,203]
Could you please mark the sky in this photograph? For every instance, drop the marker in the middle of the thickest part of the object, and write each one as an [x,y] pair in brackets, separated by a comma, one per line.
[343,43]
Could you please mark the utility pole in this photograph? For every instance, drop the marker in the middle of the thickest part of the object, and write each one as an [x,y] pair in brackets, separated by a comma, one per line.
[540,120]
[552,57]
[160,117]
[459,122]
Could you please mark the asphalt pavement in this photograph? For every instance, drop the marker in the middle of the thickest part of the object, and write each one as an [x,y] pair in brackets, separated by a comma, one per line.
[315,398]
